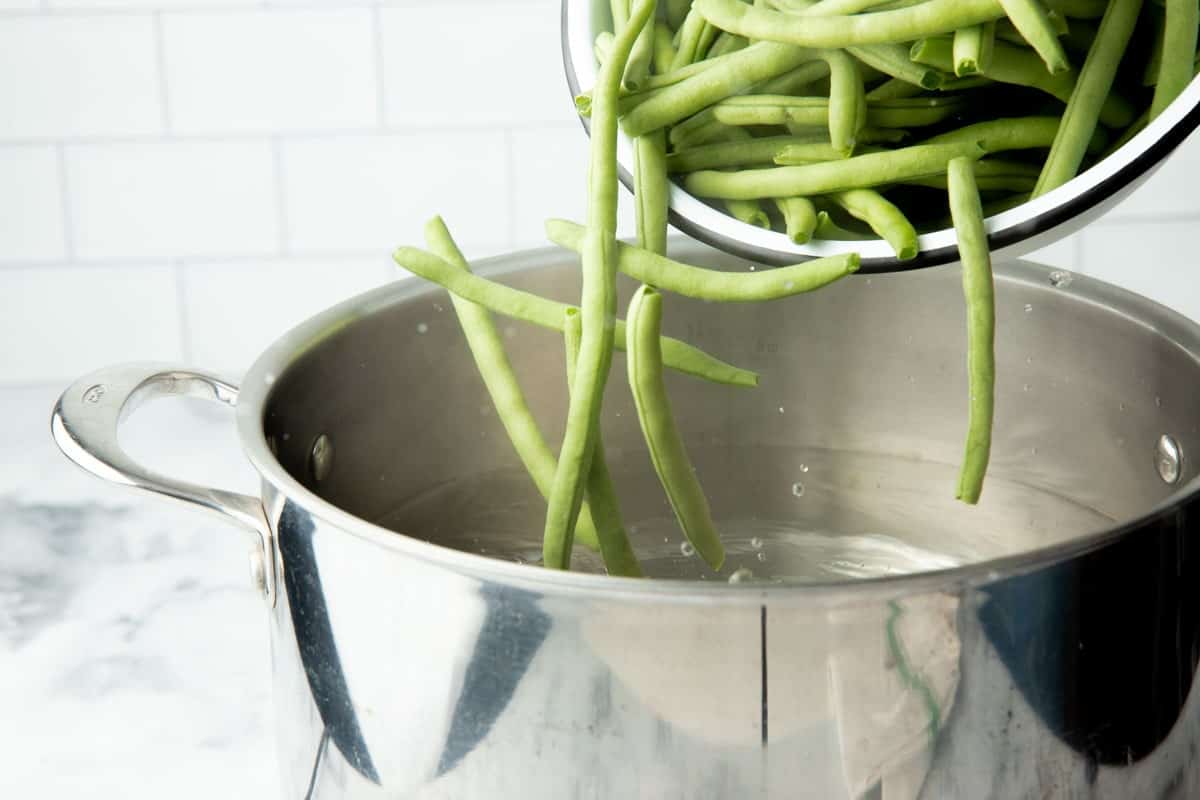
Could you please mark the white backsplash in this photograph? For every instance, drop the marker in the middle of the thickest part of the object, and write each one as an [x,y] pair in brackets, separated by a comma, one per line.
[186,179]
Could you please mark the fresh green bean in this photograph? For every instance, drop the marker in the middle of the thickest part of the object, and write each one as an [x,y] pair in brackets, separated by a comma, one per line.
[1030,18]
[1079,9]
[651,189]
[1094,84]
[709,284]
[967,213]
[1154,60]
[1018,66]
[737,71]
[1178,52]
[883,217]
[598,303]
[893,60]
[800,218]
[779,109]
[794,81]
[637,68]
[991,175]
[664,50]
[748,211]
[829,230]
[544,313]
[707,130]
[847,101]
[973,49]
[677,11]
[602,46]
[690,34]
[1008,32]
[660,431]
[859,172]
[893,89]
[620,14]
[901,25]
[727,43]
[487,348]
[613,540]
[1011,133]
[749,152]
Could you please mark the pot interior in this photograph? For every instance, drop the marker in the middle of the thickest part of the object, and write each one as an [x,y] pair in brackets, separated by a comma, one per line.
[842,462]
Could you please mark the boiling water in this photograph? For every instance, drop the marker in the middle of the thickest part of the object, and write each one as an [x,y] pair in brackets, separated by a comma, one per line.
[815,515]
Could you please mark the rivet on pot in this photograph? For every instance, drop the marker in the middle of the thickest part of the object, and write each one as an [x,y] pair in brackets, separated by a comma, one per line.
[1168,458]
[93,394]
[320,461]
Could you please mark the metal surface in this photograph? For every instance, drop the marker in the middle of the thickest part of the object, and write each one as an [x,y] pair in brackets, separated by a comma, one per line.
[1056,661]
[1011,234]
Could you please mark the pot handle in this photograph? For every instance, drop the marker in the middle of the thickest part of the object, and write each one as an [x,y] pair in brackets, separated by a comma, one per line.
[84,425]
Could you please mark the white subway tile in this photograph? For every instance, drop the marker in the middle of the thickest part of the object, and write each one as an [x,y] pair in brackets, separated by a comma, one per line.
[448,64]
[78,76]
[1061,254]
[550,167]
[279,70]
[31,224]
[172,199]
[1153,259]
[235,310]
[19,5]
[366,193]
[1171,190]
[58,323]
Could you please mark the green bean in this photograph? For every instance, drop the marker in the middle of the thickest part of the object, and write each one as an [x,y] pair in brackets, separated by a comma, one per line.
[690,34]
[677,11]
[778,109]
[847,101]
[727,43]
[1080,37]
[1178,52]
[620,14]
[800,218]
[487,348]
[598,303]
[795,81]
[1154,60]
[660,431]
[1029,17]
[707,130]
[544,313]
[651,189]
[973,49]
[613,540]
[1008,32]
[859,172]
[750,152]
[637,68]
[748,211]
[829,230]
[1133,130]
[736,72]
[893,89]
[893,60]
[883,217]
[1095,82]
[602,46]
[1015,65]
[1011,133]
[979,291]
[901,25]
[992,175]
[715,286]
[1079,9]
[664,50]
[830,8]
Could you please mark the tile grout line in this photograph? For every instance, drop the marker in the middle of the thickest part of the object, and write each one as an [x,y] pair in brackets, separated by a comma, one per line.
[281,206]
[181,313]
[160,63]
[380,87]
[64,191]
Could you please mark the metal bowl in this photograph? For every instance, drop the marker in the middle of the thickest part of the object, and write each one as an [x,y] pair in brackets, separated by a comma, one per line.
[1011,234]
[1054,655]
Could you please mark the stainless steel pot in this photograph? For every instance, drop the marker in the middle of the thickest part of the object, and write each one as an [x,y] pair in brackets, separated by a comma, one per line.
[1056,659]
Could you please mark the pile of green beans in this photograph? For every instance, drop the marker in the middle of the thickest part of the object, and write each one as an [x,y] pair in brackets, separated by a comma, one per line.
[837,119]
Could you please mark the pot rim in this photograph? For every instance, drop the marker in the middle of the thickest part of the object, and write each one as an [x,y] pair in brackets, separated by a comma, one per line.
[261,381]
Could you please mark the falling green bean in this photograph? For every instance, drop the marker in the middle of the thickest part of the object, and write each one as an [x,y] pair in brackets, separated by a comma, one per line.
[662,437]
[545,313]
[651,190]
[883,217]
[613,540]
[1094,83]
[800,218]
[1178,51]
[598,303]
[901,25]
[967,213]
[487,348]
[736,71]
[713,285]
[1030,18]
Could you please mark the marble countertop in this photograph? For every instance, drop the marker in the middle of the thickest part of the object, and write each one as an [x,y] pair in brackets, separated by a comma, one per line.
[134,659]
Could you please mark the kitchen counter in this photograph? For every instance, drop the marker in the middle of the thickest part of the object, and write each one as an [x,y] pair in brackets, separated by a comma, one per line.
[134,659]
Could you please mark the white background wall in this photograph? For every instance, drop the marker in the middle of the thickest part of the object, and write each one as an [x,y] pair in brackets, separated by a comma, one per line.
[185,179]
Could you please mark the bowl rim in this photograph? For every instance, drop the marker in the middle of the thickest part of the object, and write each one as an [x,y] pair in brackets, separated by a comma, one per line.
[1013,233]
[261,382]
